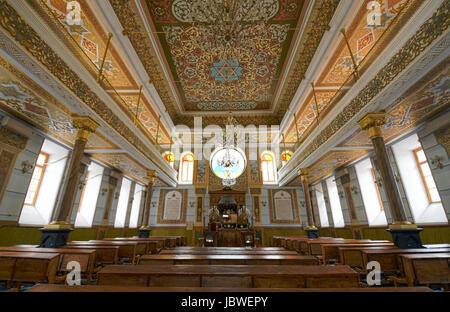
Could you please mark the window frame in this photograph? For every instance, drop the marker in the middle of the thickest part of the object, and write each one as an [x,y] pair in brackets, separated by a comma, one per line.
[419,166]
[181,169]
[274,168]
[41,177]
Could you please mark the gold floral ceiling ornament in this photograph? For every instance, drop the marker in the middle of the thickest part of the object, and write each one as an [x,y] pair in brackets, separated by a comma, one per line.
[231,25]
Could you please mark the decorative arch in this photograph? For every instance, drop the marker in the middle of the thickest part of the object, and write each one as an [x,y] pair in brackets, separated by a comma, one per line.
[268,168]
[186,171]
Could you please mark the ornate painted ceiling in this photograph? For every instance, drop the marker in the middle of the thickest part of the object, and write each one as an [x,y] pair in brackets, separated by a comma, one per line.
[198,76]
[88,41]
[202,78]
[189,78]
[335,75]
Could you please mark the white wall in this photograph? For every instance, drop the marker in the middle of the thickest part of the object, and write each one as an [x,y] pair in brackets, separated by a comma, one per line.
[423,212]
[85,215]
[321,205]
[123,203]
[375,216]
[336,210]
[40,214]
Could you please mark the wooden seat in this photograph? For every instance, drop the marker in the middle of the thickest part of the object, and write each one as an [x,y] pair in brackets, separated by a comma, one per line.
[242,251]
[92,288]
[229,259]
[85,257]
[352,256]
[388,257]
[257,276]
[331,251]
[424,269]
[126,252]
[104,254]
[151,246]
[28,267]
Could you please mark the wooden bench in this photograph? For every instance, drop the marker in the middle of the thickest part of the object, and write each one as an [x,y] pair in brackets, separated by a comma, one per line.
[237,251]
[352,256]
[149,245]
[254,276]
[228,260]
[388,257]
[104,254]
[437,246]
[424,269]
[330,252]
[34,267]
[127,250]
[85,257]
[230,248]
[315,246]
[169,241]
[95,288]
[162,242]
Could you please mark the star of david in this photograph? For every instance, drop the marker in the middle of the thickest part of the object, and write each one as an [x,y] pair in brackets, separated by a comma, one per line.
[106,66]
[221,72]
[75,29]
[443,87]
[12,92]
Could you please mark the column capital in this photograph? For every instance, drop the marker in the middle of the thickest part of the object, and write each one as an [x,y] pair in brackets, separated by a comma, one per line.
[151,175]
[303,173]
[84,125]
[372,122]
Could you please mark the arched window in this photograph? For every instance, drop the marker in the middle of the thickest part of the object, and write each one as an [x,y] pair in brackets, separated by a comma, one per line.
[285,156]
[268,168]
[186,169]
[169,157]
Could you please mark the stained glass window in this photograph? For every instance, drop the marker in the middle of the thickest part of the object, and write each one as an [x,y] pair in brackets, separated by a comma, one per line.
[286,156]
[169,157]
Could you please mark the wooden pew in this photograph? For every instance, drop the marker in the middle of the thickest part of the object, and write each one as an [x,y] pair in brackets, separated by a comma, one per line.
[127,250]
[331,251]
[28,267]
[315,246]
[104,254]
[302,247]
[226,252]
[169,241]
[254,276]
[388,257]
[437,246]
[352,256]
[95,288]
[228,260]
[191,248]
[85,257]
[163,242]
[424,269]
[145,245]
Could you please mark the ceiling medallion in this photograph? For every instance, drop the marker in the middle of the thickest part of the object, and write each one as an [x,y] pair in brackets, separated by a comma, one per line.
[231,25]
